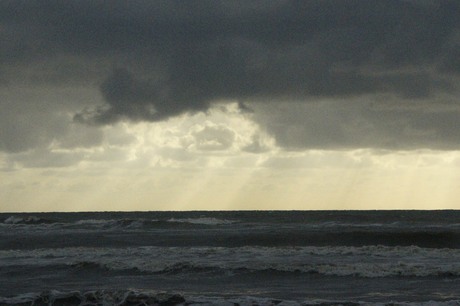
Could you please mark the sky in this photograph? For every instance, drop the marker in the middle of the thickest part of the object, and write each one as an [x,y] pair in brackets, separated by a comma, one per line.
[225,105]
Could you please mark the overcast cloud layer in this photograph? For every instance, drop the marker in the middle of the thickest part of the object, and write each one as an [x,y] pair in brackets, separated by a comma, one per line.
[314,74]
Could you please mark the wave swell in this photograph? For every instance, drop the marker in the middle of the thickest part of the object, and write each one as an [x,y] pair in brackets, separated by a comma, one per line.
[27,220]
[34,222]
[102,297]
[369,261]
[147,298]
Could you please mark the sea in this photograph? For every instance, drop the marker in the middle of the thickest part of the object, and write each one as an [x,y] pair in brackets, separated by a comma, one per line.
[231,258]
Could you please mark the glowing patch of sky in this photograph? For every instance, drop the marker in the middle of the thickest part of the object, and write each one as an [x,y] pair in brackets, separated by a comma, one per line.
[223,160]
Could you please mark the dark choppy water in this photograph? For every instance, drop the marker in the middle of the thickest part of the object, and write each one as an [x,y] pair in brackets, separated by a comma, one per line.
[222,258]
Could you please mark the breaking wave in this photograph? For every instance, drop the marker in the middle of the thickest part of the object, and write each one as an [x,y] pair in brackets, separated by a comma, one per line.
[147,298]
[37,223]
[364,270]
[101,297]
[26,220]
[203,221]
[366,262]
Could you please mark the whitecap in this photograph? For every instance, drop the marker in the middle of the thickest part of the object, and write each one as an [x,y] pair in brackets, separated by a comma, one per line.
[203,220]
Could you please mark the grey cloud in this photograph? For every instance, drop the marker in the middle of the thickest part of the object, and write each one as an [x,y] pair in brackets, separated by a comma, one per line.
[257,145]
[39,131]
[44,158]
[79,137]
[214,138]
[24,127]
[173,57]
[137,99]
[338,124]
[34,119]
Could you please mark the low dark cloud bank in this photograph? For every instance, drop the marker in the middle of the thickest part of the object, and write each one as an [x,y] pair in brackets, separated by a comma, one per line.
[156,59]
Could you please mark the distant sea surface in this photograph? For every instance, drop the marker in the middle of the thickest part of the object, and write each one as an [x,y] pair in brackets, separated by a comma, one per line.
[231,258]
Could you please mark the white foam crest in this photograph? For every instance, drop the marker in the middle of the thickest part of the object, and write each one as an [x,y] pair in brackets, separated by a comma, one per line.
[98,297]
[251,301]
[332,224]
[375,270]
[13,220]
[24,220]
[20,299]
[111,223]
[37,224]
[147,297]
[203,220]
[95,222]
[376,261]
[241,300]
[13,224]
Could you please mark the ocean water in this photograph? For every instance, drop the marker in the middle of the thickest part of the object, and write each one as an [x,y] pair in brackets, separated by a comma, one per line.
[231,258]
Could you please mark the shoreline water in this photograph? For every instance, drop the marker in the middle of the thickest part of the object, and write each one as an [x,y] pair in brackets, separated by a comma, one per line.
[220,258]
[146,298]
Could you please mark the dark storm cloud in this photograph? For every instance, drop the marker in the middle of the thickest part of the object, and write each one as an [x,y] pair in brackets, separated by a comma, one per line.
[159,59]
[337,124]
[138,99]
